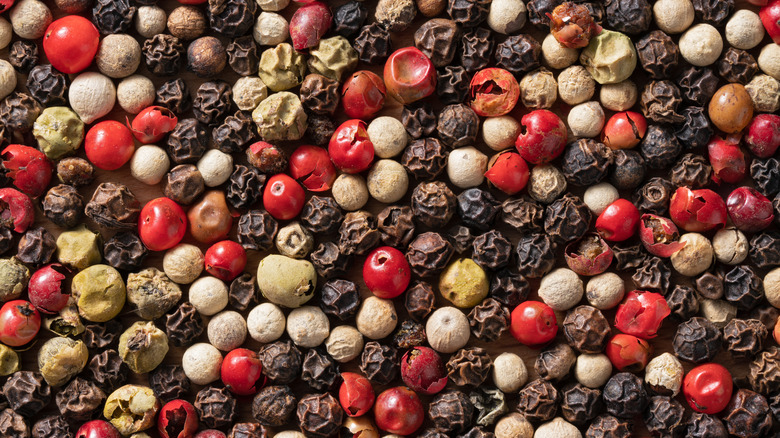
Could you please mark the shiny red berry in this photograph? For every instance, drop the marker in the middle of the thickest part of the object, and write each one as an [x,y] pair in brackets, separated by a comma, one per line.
[363,95]
[225,260]
[628,353]
[311,166]
[543,138]
[619,221]
[533,323]
[708,388]
[763,135]
[399,410]
[356,395]
[508,172]
[242,372]
[749,210]
[283,197]
[697,210]
[386,272]
[350,149]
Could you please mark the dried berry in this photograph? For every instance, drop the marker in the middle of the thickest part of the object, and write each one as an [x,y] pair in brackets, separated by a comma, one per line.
[379,363]
[234,18]
[107,370]
[624,395]
[242,55]
[329,260]
[458,125]
[492,250]
[737,65]
[658,54]
[628,16]
[477,208]
[418,119]
[567,218]
[169,382]
[535,255]
[373,44]
[428,254]
[747,415]
[433,204]
[586,162]
[538,400]
[765,249]
[451,412]
[174,95]
[660,101]
[766,175]
[98,336]
[358,234]
[319,415]
[187,142]
[580,404]
[714,12]
[660,147]
[664,416]
[476,49]
[216,407]
[281,362]
[519,54]
[425,158]
[184,184]
[235,133]
[743,287]
[257,230]
[36,247]
[184,325]
[653,275]
[27,392]
[212,102]
[163,55]
[419,300]
[683,301]
[274,405]
[349,18]
[469,366]
[112,16]
[63,205]
[79,400]
[396,225]
[452,84]
[340,298]
[48,86]
[243,291]
[697,340]
[586,329]
[698,84]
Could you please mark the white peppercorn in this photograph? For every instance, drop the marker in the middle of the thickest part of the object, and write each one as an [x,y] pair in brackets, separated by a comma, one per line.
[592,370]
[248,92]
[514,425]
[289,434]
[561,289]
[30,18]
[599,196]
[388,136]
[6,33]
[344,343]
[618,97]
[556,55]
[91,95]
[718,312]
[586,119]
[183,263]
[202,363]
[272,5]
[664,374]
[575,85]
[270,29]
[135,93]
[149,164]
[764,91]
[506,16]
[376,318]
[150,20]
[769,60]
[266,323]
[501,132]
[447,330]
[673,16]
[350,191]
[744,29]
[701,45]
[557,428]
[730,246]
[308,326]
[387,181]
[466,167]
[538,89]
[509,372]
[7,78]
[293,240]
[215,167]
[695,257]
[605,291]
[546,183]
[227,330]
[118,55]
[772,287]
[209,295]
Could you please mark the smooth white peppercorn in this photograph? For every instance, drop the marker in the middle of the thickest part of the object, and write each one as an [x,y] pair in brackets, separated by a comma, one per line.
[183,263]
[501,132]
[618,97]
[509,372]
[701,45]
[772,287]
[215,167]
[350,191]
[202,363]
[272,5]
[30,18]
[514,425]
[586,119]
[764,91]
[149,164]
[209,295]
[673,16]
[388,136]
[135,93]
[7,78]
[556,55]
[718,312]
[605,291]
[266,323]
[308,326]
[466,167]
[150,20]
[387,181]
[557,428]
[227,330]
[447,330]
[599,196]
[506,16]
[270,29]
[289,434]
[744,29]
[546,183]
[592,370]
[561,289]
[91,95]
[769,60]
[575,85]
[664,374]
[248,92]
[730,246]
[695,257]
[6,33]
[344,343]
[376,318]
[293,240]
[118,55]
[538,89]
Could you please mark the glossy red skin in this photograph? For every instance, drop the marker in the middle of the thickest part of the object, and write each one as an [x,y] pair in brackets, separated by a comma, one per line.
[311,166]
[641,314]
[770,17]
[225,260]
[697,210]
[350,149]
[409,75]
[619,221]
[508,172]
[19,323]
[28,167]
[283,197]
[386,272]
[624,130]
[5,5]
[109,145]
[727,159]
[177,419]
[153,123]
[763,135]
[47,290]
[399,410]
[533,323]
[242,372]
[308,24]
[162,224]
[584,265]
[98,429]
[493,92]
[749,210]
[363,95]
[543,138]
[663,244]
[423,370]
[628,353]
[356,395]
[16,209]
[708,388]
[210,433]
[70,43]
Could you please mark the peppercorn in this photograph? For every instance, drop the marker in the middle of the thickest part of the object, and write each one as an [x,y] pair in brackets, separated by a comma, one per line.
[428,254]
[696,130]
[764,91]
[567,218]
[425,158]
[624,395]
[683,302]
[102,335]
[174,95]
[274,405]
[555,362]
[509,288]
[664,416]
[169,382]
[216,407]
[586,162]
[658,54]
[340,298]
[469,366]
[320,370]
[319,415]
[184,325]
[747,415]
[608,426]
[546,183]
[765,174]
[163,54]
[697,340]
[419,119]
[659,147]
[660,101]
[329,260]
[586,329]
[257,230]
[27,392]
[703,425]
[112,17]
[79,400]
[36,247]
[50,426]
[580,404]
[492,250]
[451,412]
[23,55]
[452,85]
[737,65]
[379,362]
[652,275]
[419,300]
[107,370]
[227,330]
[12,425]
[396,226]
[476,49]
[47,85]
[538,400]
[519,54]
[628,16]
[535,255]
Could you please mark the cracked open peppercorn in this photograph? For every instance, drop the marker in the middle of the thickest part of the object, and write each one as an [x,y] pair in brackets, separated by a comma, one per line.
[692,171]
[451,412]
[319,370]
[396,225]
[433,204]
[736,65]
[174,95]
[425,158]
[48,86]
[747,415]
[535,255]
[586,162]
[329,261]
[235,133]
[476,49]
[625,395]
[743,287]
[373,44]
[274,405]
[358,234]
[379,362]
[428,254]
[216,407]
[697,340]
[492,250]
[567,218]
[169,382]
[653,197]
[469,366]
[27,392]
[519,54]
[319,415]
[212,102]
[538,400]
[107,370]
[79,400]
[658,54]
[664,416]
[163,55]
[63,205]
[580,404]
[628,16]
[764,376]
[184,325]
[187,142]
[257,230]
[243,291]
[98,336]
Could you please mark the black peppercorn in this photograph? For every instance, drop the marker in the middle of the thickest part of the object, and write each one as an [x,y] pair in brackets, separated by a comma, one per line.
[705,426]
[433,204]
[243,291]
[476,49]
[419,300]
[48,86]
[469,366]
[628,169]
[653,275]
[747,415]
[373,44]
[535,255]
[163,55]
[509,288]
[765,249]
[319,95]
[555,362]
[766,175]
[664,416]
[692,171]
[744,338]
[340,298]
[428,254]
[764,376]
[329,261]
[625,395]
[607,426]
[396,225]
[79,400]
[492,250]
[169,382]
[629,16]
[489,320]
[660,147]
[234,18]
[18,112]
[714,12]
[743,287]
[451,412]
[257,230]
[27,392]
[425,158]
[629,256]
[519,54]
[586,329]
[683,301]
[98,336]
[281,361]
[50,427]
[174,95]
[567,218]
[698,84]
[212,102]
[187,142]
[358,234]
[411,334]
[13,425]
[113,16]
[216,407]
[242,55]
[323,215]
[320,129]
[438,39]
[235,133]
[696,130]
[660,101]
[697,340]
[461,238]
[319,370]
[538,400]
[63,205]
[107,370]
[36,247]
[737,65]
[23,55]
[452,85]
[419,119]
[586,162]
[244,186]
[184,184]
[379,363]
[477,208]
[658,54]
[523,214]
[580,404]
[458,125]
[319,415]
[274,405]
[468,13]
[349,18]
[654,196]
[539,12]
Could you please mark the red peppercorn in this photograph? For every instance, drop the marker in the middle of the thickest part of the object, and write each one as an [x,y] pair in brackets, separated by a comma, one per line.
[770,17]
[423,370]
[763,135]
[727,159]
[363,95]
[16,208]
[28,168]
[177,419]
[409,75]
[572,25]
[161,224]
[659,235]
[588,256]
[533,323]
[71,43]
[109,145]
[153,123]
[399,410]
[641,314]
[6,5]
[493,92]
[708,388]
[48,291]
[283,197]
[308,24]
[544,137]
[350,149]
[311,166]
[225,260]
[628,353]
[242,372]
[697,210]
[618,221]
[98,429]
[19,323]
[624,130]
[508,172]
[356,394]
[386,272]
[750,211]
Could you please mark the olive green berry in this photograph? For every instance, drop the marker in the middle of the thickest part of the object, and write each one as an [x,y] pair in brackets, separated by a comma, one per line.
[281,67]
[9,360]
[286,281]
[610,57]
[333,58]
[60,359]
[152,292]
[280,117]
[13,279]
[464,283]
[79,247]
[131,409]
[59,131]
[143,347]
[99,292]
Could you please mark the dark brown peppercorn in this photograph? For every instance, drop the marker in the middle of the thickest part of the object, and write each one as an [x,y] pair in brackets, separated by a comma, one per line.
[281,362]
[451,412]
[664,416]
[19,111]
[36,247]
[747,415]
[660,147]
[243,291]
[112,16]
[683,301]
[107,370]
[697,84]
[538,11]
[714,12]
[358,234]
[235,133]
[705,426]
[320,95]
[476,49]
[586,329]
[232,19]
[216,407]
[379,363]
[23,55]
[6,240]
[27,392]
[13,425]
[461,238]
[163,55]
[184,184]
[124,250]
[274,405]
[248,430]
[535,255]
[743,287]
[658,54]
[242,55]
[628,169]
[63,205]
[174,95]
[428,254]
[654,196]
[477,432]
[629,16]
[509,288]
[169,382]
[523,214]
[319,415]
[433,204]
[329,261]
[696,130]
[458,125]
[340,298]
[187,142]
[101,335]
[419,300]
[629,256]
[580,404]
[555,362]
[477,208]
[607,426]
[519,54]
[53,426]
[624,395]
[653,275]
[432,433]
[567,218]
[206,57]
[586,162]
[452,84]
[766,314]
[697,340]
[737,65]
[438,39]
[396,225]
[349,18]
[419,119]
[320,129]
[319,370]
[489,320]
[468,13]
[212,102]
[764,376]
[538,400]
[766,175]
[425,158]
[184,325]
[692,171]
[765,249]
[322,214]
[660,101]
[469,366]
[79,400]
[492,250]
[245,186]
[48,86]
[257,230]
[409,335]
[373,44]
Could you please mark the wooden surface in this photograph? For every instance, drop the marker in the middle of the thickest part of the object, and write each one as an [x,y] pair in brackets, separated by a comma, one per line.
[145,193]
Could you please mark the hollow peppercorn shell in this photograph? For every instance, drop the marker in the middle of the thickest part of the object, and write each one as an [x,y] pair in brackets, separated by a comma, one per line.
[659,235]
[493,92]
[584,264]
[697,210]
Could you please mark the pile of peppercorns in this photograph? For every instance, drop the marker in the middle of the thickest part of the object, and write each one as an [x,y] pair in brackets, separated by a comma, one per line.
[286,163]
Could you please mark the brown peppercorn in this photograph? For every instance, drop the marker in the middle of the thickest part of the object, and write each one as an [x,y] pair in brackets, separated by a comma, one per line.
[697,340]
[608,426]
[242,56]
[245,186]
[186,22]
[458,125]
[461,238]
[451,412]
[74,171]
[535,255]
[12,425]
[48,86]
[206,57]
[329,261]
[187,142]
[488,320]
[692,171]
[27,392]
[664,416]
[409,335]
[653,275]
[212,102]
[319,415]
[322,214]
[765,249]
[396,225]
[112,16]
[419,300]
[98,336]
[113,206]
[743,287]
[523,214]
[629,256]
[628,16]
[107,370]
[764,376]
[36,247]
[698,84]
[660,101]
[257,230]
[163,54]
[747,415]
[232,19]
[509,288]
[184,184]
[469,366]
[169,382]
[744,338]
[555,362]
[628,170]
[586,162]
[580,404]
[248,430]
[477,208]
[216,407]
[79,400]
[683,301]
[538,400]
[174,95]
[184,325]
[319,370]
[658,54]
[274,405]
[281,362]
[438,39]
[766,176]
[567,218]
[654,196]
[586,329]
[379,363]
[468,13]
[340,298]
[714,12]
[736,65]
[358,234]
[425,158]
[320,129]
[476,49]
[51,426]
[373,44]
[319,95]
[428,254]
[452,84]
[63,205]
[705,426]
[419,119]
[492,250]
[19,111]
[23,55]
[519,54]
[624,395]
[433,204]
[348,18]
[766,314]
[243,291]
[235,133]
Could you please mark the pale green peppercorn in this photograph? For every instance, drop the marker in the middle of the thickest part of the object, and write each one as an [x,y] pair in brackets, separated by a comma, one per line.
[280,117]
[59,131]
[464,283]
[99,292]
[9,361]
[143,347]
[13,279]
[286,281]
[60,359]
[281,67]
[131,409]
[152,292]
[610,57]
[79,247]
[333,58]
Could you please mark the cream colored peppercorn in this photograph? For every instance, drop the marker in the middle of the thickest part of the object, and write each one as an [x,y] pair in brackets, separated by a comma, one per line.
[270,29]
[350,191]
[538,89]
[92,96]
[664,375]
[557,428]
[556,55]
[764,91]
[6,33]
[344,343]
[272,5]
[701,45]
[266,323]
[135,93]
[514,425]
[605,291]
[509,372]
[586,119]
[599,196]
[118,55]
[388,136]
[592,370]
[7,78]
[561,289]
[227,330]
[730,246]
[150,20]
[575,85]
[772,287]
[744,29]
[215,166]
[546,183]
[506,16]
[376,318]
[202,363]
[387,181]
[466,167]
[187,22]
[30,18]
[618,97]
[500,133]
[149,164]
[447,330]
[293,240]
[248,92]
[209,295]
[289,434]
[718,312]
[183,263]
[769,60]
[695,257]
[673,16]
[308,326]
